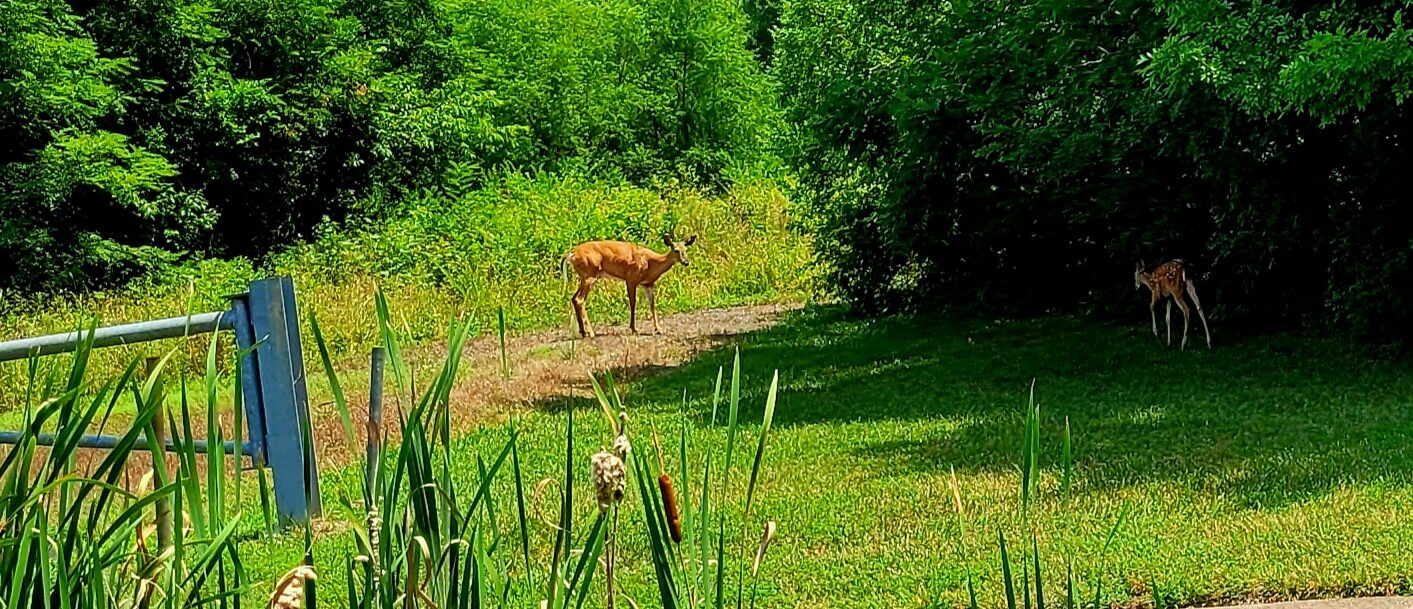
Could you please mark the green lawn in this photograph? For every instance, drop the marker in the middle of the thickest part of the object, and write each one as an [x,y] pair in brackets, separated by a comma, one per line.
[1271,466]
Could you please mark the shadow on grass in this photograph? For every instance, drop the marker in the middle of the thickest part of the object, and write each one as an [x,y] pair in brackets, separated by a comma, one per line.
[1265,422]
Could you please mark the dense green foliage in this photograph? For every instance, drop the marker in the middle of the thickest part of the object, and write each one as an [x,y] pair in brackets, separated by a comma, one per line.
[132,132]
[1024,155]
[498,246]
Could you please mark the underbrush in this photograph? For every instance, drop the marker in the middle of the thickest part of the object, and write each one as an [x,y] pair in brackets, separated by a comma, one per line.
[470,254]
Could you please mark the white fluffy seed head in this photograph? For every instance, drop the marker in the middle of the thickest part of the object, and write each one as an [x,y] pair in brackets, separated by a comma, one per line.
[610,477]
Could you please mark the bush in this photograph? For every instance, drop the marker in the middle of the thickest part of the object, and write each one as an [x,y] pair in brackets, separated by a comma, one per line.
[1022,156]
[139,134]
[471,253]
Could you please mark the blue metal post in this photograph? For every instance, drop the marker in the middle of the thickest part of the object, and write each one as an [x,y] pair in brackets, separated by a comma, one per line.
[281,391]
[301,391]
[374,445]
[249,376]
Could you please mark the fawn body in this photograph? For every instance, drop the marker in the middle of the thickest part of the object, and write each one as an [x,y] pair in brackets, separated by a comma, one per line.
[1170,280]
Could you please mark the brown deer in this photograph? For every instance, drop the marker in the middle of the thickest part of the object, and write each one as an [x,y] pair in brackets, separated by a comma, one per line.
[634,265]
[1170,280]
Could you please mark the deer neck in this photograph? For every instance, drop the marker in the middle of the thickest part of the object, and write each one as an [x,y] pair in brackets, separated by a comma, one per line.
[657,265]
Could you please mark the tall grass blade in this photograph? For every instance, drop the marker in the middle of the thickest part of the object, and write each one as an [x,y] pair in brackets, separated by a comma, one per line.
[1067,457]
[1006,572]
[1030,452]
[957,505]
[187,470]
[1039,580]
[1025,581]
[1069,585]
[340,403]
[215,463]
[683,489]
[563,536]
[716,396]
[390,342]
[734,408]
[606,404]
[584,571]
[704,525]
[1103,555]
[520,499]
[488,500]
[238,431]
[760,448]
[721,566]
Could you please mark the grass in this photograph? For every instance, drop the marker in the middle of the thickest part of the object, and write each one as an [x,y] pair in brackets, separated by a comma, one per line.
[487,251]
[1274,467]
[83,539]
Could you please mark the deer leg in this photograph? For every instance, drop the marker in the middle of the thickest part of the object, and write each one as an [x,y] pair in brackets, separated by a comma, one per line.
[633,308]
[1153,313]
[1168,319]
[1185,313]
[1192,293]
[580,296]
[652,306]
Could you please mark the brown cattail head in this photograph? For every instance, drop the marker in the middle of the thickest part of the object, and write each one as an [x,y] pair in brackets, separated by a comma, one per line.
[669,506]
[609,476]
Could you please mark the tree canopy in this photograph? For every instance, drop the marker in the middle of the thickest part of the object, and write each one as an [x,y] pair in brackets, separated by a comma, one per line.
[134,131]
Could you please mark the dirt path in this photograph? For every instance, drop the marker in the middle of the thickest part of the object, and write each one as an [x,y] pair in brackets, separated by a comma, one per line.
[544,366]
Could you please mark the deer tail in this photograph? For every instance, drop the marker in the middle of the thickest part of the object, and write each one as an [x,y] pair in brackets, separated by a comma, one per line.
[564,264]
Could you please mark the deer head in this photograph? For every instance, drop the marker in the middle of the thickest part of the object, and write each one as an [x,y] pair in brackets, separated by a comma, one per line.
[678,248]
[1140,278]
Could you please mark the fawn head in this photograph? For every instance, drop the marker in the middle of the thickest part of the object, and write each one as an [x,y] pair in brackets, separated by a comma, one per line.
[1139,277]
[678,248]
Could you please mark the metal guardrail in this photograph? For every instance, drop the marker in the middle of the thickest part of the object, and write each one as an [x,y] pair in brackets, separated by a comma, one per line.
[265,322]
[110,336]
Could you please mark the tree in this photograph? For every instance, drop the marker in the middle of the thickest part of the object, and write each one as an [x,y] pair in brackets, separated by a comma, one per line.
[1021,155]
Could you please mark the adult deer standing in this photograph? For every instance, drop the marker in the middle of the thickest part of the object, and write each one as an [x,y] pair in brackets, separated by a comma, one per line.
[1170,280]
[635,265]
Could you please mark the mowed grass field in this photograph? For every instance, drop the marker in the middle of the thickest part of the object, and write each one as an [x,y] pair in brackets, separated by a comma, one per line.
[1271,467]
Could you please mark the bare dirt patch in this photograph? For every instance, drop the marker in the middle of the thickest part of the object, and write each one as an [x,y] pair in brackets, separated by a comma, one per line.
[544,366]
[548,365]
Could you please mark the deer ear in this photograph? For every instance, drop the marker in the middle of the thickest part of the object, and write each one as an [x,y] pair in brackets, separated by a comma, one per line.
[691,240]
[667,239]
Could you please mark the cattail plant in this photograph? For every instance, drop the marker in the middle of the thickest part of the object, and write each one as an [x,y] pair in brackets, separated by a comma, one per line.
[610,477]
[419,541]
[668,495]
[70,539]
[687,542]
[295,590]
